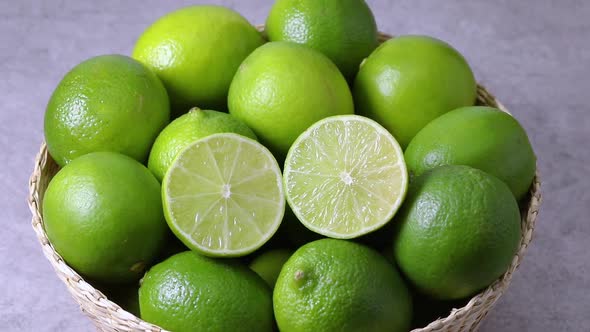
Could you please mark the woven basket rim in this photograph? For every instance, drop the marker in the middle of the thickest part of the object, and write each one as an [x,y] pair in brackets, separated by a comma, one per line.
[107,312]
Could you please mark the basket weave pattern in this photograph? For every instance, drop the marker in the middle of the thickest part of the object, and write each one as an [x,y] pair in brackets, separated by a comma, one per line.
[108,316]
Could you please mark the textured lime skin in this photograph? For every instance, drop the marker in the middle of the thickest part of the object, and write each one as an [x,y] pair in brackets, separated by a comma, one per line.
[189,292]
[106,103]
[196,51]
[481,137]
[346,36]
[268,265]
[458,231]
[410,80]
[103,214]
[282,88]
[187,129]
[336,285]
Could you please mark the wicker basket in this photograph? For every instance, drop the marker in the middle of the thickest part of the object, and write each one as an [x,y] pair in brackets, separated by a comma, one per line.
[108,316]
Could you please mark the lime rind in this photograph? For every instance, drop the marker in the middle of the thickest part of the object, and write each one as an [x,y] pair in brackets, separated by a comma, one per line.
[223,195]
[345,176]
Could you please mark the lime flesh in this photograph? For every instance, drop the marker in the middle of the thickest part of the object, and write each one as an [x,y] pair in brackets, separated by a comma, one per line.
[223,195]
[345,176]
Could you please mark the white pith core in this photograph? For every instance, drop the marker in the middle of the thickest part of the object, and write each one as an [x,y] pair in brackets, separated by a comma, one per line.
[346,178]
[226,191]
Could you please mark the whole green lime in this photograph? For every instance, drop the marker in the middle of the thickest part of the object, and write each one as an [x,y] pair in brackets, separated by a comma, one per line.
[268,264]
[189,292]
[480,137]
[106,103]
[103,215]
[187,129]
[344,30]
[196,51]
[409,81]
[336,285]
[459,229]
[282,88]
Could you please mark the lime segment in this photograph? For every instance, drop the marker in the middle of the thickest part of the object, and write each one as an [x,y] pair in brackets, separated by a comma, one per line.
[345,176]
[223,195]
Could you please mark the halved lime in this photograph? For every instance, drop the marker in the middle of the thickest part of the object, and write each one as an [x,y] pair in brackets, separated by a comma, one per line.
[223,195]
[345,176]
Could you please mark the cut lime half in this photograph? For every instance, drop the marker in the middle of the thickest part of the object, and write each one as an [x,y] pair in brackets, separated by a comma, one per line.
[223,195]
[345,176]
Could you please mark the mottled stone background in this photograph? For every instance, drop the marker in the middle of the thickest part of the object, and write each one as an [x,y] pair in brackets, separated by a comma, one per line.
[533,54]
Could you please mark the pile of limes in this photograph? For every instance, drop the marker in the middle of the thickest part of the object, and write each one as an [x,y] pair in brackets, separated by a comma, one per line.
[317,181]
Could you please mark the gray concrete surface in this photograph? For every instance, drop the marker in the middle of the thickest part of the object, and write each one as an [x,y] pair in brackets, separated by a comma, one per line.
[533,54]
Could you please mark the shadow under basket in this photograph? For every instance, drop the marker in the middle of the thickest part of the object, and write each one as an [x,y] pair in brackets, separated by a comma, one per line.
[109,316]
